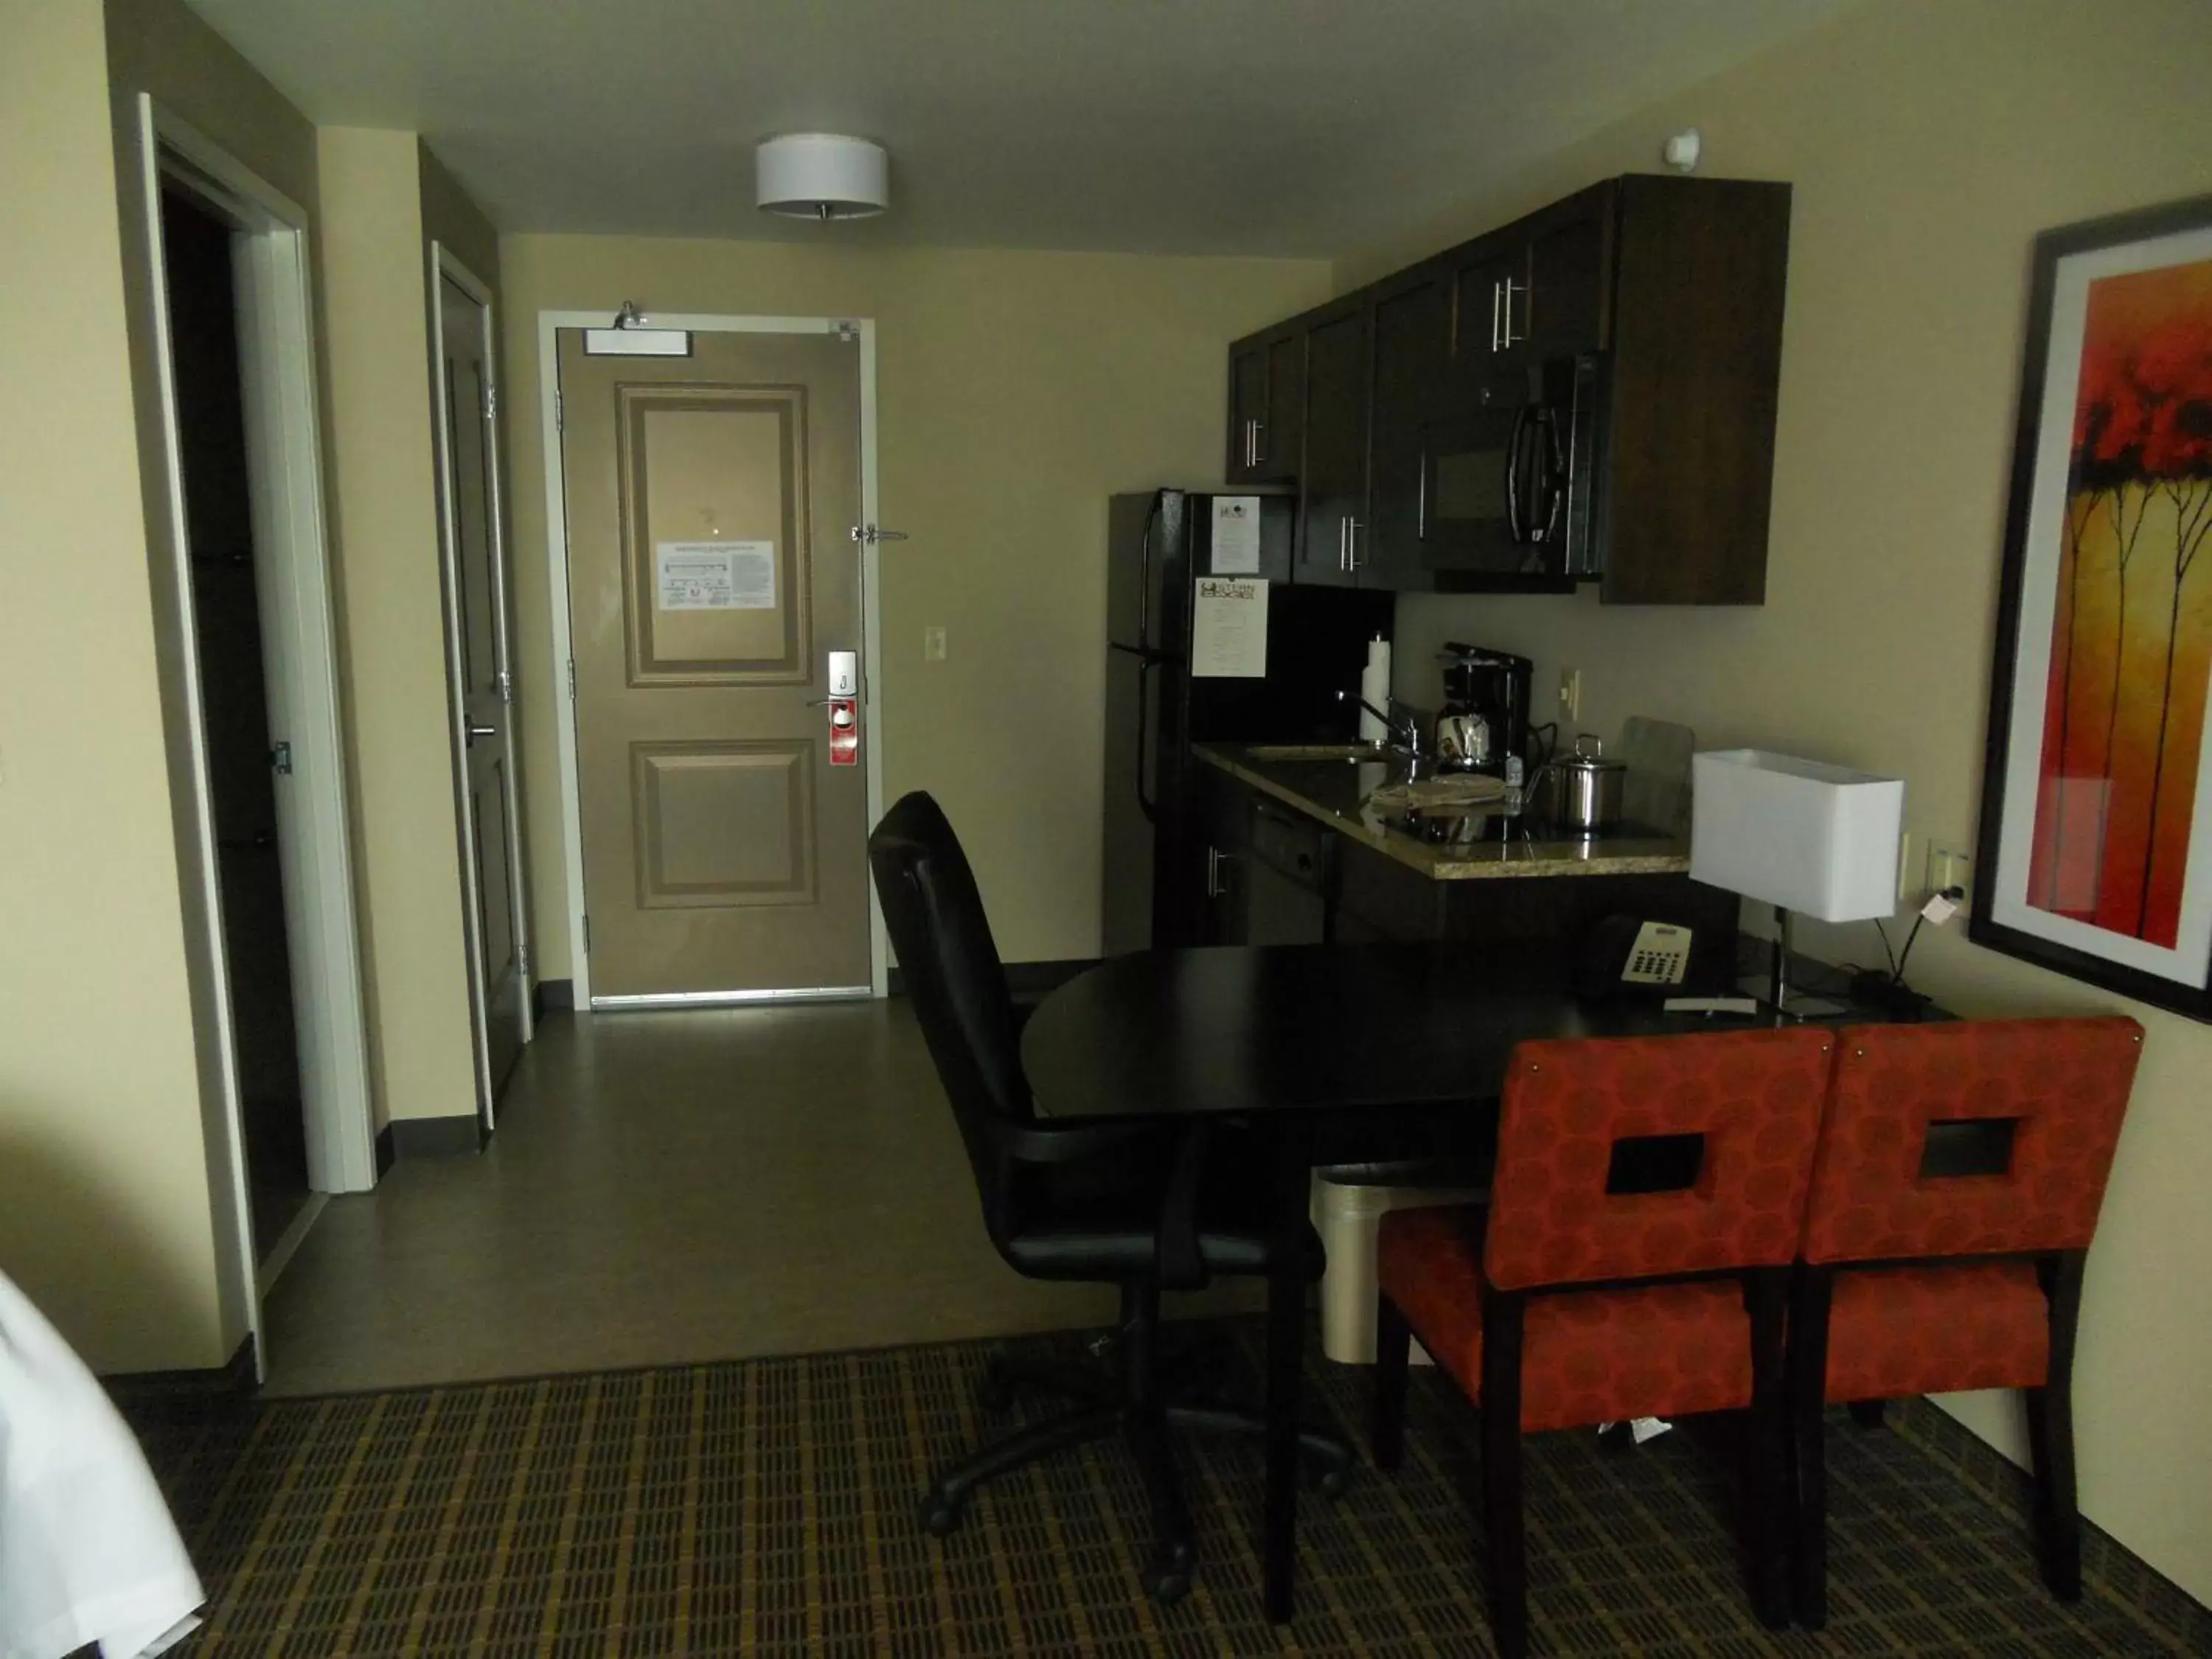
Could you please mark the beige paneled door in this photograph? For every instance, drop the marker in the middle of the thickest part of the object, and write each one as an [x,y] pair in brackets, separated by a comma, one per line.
[714,595]
[479,652]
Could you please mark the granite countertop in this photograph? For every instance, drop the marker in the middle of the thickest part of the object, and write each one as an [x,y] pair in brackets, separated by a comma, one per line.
[1326,786]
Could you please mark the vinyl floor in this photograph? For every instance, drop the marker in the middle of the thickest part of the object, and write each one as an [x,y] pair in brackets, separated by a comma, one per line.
[668,1188]
[764,1507]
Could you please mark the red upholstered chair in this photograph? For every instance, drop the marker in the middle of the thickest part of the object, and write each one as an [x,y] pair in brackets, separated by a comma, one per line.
[1960,1173]
[1584,1296]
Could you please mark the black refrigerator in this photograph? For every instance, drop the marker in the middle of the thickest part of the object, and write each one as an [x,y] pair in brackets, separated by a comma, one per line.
[1159,546]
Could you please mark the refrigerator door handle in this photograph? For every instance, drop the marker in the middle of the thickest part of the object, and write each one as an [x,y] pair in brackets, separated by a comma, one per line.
[1146,804]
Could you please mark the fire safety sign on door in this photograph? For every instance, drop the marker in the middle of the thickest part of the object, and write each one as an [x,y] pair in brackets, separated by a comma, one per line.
[714,575]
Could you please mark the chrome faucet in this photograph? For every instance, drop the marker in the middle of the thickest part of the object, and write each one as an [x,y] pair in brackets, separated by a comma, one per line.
[1406,733]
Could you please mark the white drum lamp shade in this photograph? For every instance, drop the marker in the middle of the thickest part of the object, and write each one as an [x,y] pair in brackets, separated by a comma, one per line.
[822,175]
[1819,840]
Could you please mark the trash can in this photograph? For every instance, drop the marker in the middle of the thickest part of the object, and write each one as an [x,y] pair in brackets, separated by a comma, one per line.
[1349,1203]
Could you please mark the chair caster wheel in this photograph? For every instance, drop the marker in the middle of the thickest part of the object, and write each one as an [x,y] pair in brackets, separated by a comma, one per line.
[1168,1579]
[940,1517]
[1333,1479]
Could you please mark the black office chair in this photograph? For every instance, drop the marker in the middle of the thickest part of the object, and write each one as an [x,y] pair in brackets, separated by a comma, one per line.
[1134,1204]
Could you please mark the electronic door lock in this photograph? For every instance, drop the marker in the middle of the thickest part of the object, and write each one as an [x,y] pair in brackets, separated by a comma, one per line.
[844,673]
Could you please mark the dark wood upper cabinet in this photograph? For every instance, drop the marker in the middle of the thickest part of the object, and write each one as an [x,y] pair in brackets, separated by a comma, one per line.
[1332,504]
[1266,406]
[1248,408]
[1588,394]
[1569,252]
[1413,363]
[1685,468]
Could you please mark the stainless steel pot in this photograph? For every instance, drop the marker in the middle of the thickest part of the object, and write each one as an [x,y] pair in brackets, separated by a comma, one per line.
[1582,791]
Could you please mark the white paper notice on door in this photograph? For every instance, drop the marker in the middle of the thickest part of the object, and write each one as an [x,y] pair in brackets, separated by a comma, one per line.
[1236,535]
[714,575]
[1229,631]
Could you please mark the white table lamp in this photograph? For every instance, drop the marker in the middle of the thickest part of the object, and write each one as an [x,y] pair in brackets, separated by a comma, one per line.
[1803,836]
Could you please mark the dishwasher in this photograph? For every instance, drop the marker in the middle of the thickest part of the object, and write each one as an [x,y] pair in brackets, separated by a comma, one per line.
[1288,877]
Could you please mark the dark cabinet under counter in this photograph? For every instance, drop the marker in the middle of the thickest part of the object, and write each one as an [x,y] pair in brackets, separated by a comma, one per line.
[1290,858]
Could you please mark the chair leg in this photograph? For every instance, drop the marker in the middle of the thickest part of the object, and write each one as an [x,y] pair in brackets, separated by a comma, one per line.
[2051,1431]
[1503,1524]
[1006,1374]
[947,1497]
[1168,1576]
[1327,1459]
[1807,1367]
[1393,1343]
[2058,1522]
[1767,1451]
[1868,1414]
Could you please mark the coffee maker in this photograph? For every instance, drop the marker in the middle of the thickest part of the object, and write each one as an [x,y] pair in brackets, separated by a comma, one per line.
[1493,685]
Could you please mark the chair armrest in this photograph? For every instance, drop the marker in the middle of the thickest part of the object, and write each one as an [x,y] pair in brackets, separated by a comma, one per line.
[1072,1142]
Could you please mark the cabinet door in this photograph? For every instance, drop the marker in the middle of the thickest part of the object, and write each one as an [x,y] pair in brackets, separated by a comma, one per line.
[1490,308]
[1413,353]
[1281,440]
[1247,409]
[1569,251]
[1339,361]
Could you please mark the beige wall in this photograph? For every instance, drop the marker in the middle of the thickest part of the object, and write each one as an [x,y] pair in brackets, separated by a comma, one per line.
[111,1138]
[1927,144]
[383,498]
[1019,390]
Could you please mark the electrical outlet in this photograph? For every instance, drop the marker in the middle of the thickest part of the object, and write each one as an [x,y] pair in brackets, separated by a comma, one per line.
[1570,693]
[1948,866]
[932,645]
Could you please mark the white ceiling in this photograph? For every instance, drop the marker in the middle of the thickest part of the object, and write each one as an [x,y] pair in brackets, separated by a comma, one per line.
[1243,126]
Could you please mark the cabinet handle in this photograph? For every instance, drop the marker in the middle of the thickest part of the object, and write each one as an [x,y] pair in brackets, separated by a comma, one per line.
[1251,443]
[1352,528]
[1258,448]
[1510,288]
[1215,887]
[1497,295]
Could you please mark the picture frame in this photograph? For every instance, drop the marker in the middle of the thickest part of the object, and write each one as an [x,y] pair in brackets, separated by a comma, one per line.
[2094,855]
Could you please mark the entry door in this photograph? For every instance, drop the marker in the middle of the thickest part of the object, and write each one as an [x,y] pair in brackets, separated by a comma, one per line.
[711,574]
[477,630]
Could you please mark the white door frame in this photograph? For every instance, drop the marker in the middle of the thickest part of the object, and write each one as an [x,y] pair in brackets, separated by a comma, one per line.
[299,637]
[444,264]
[550,323]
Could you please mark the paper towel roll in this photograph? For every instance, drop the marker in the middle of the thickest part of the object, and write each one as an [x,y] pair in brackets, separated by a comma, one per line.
[1375,688]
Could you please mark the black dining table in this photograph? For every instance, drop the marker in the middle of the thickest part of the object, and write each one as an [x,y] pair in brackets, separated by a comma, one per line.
[1329,1053]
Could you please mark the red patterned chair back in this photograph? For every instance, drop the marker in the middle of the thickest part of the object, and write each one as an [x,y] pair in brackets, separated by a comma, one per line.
[2062,1085]
[1754,1096]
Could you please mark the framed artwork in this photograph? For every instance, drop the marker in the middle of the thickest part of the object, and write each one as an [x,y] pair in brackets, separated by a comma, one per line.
[2095,855]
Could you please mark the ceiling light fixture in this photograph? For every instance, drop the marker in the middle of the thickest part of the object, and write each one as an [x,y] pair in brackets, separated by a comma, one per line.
[822,175]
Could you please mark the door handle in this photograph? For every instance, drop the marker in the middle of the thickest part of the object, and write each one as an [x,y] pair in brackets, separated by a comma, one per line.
[869,534]
[1513,529]
[476,731]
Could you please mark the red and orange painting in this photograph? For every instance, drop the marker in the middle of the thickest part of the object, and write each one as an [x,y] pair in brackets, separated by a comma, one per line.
[2131,642]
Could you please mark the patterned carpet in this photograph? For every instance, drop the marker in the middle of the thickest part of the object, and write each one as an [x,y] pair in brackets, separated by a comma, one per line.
[766,1507]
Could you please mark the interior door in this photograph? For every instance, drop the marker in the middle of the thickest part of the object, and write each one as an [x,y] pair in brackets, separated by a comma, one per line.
[480,647]
[712,577]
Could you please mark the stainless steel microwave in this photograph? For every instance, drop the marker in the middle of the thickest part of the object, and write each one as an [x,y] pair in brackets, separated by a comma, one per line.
[1506,491]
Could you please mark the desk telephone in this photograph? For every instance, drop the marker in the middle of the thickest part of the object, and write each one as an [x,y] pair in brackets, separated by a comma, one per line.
[1629,954]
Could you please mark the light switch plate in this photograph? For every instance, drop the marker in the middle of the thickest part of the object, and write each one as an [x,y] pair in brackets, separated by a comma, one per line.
[1570,693]
[932,645]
